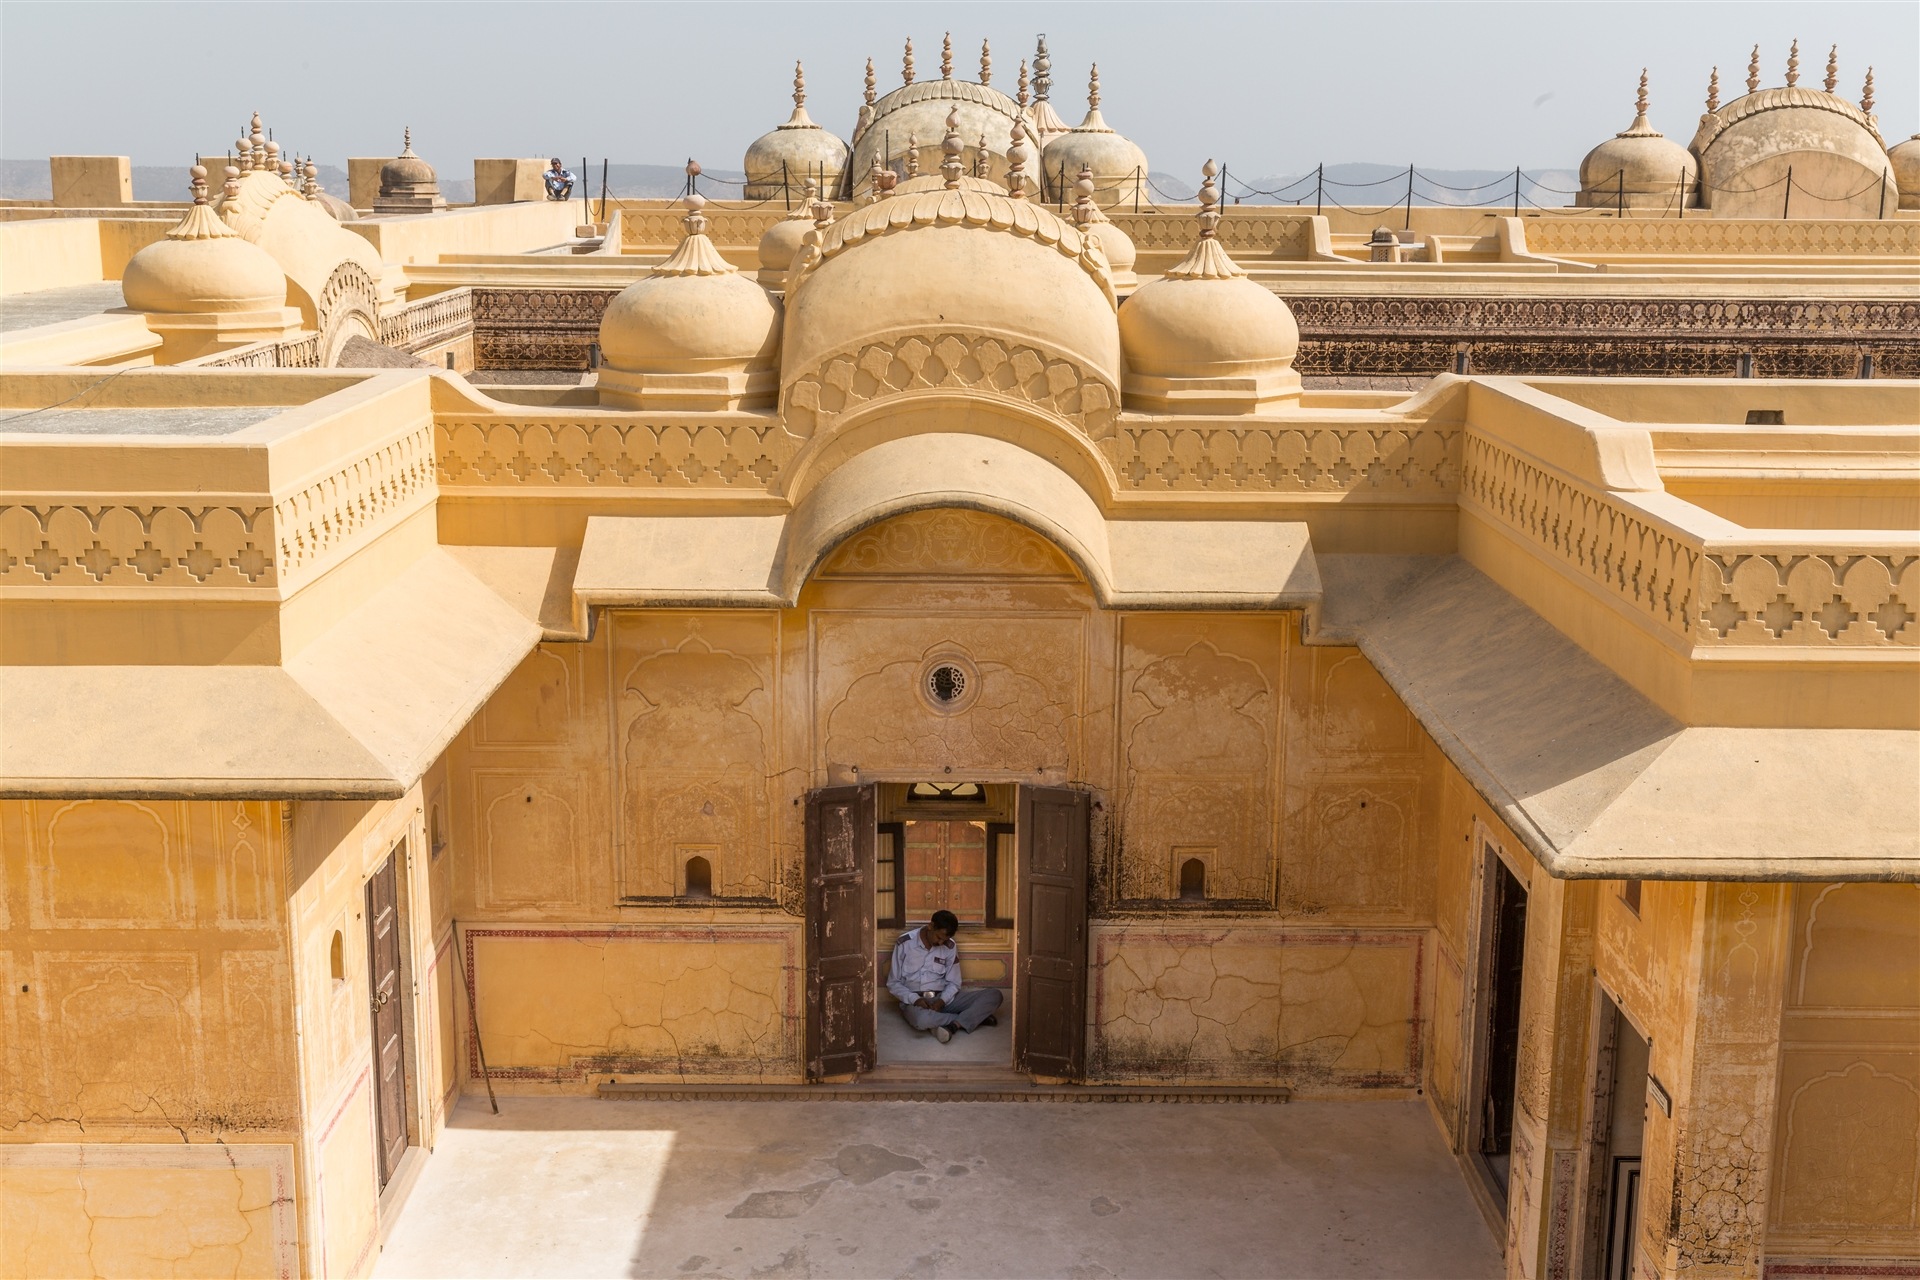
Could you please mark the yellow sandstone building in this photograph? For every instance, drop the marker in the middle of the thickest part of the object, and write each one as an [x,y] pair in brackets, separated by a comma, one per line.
[451,649]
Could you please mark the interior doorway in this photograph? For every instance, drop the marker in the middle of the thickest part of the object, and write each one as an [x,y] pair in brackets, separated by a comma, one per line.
[1617,1111]
[1505,913]
[389,1024]
[1009,861]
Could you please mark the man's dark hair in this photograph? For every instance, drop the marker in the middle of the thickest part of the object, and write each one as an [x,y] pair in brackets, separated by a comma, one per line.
[945,921]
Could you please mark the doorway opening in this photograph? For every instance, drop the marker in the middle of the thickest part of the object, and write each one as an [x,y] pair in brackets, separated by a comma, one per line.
[1010,862]
[949,846]
[384,987]
[1505,950]
[1617,1121]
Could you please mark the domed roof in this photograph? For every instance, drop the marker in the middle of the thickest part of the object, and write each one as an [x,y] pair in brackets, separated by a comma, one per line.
[1834,148]
[407,173]
[1204,337]
[914,116]
[969,263]
[797,151]
[1093,221]
[1116,162]
[1638,161]
[1906,170]
[202,266]
[782,240]
[695,334]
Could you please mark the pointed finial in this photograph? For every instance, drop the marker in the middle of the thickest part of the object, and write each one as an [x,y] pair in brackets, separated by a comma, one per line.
[906,63]
[799,85]
[1833,68]
[244,150]
[980,158]
[950,148]
[1753,71]
[1093,88]
[1640,99]
[311,187]
[1017,162]
[1713,91]
[986,63]
[258,144]
[1022,99]
[1209,202]
[695,222]
[406,141]
[198,185]
[946,57]
[1793,65]
[232,187]
[872,94]
[1042,71]
[1866,94]
[1083,209]
[913,156]
[874,190]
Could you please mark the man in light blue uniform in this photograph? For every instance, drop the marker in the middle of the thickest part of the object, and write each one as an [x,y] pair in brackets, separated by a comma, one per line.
[925,979]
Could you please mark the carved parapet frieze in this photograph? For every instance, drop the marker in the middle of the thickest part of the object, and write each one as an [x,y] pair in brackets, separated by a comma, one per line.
[1396,461]
[328,518]
[1813,597]
[619,454]
[58,544]
[994,368]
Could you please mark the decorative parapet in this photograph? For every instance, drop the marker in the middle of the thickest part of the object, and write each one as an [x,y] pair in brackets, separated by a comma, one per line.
[1860,594]
[645,228]
[610,452]
[1402,460]
[1242,232]
[208,542]
[430,321]
[328,519]
[1862,237]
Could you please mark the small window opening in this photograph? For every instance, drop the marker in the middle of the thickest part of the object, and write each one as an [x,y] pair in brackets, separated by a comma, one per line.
[1766,417]
[699,878]
[1193,880]
[436,832]
[337,960]
[939,791]
[1630,894]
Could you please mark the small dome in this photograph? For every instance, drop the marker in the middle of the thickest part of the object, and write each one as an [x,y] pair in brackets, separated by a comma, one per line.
[797,152]
[1906,170]
[202,266]
[1638,166]
[1118,165]
[695,334]
[407,174]
[782,239]
[1204,337]
[1116,244]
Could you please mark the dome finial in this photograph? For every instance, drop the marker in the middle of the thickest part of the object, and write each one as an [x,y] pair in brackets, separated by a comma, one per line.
[1093,87]
[311,187]
[695,255]
[1042,71]
[244,151]
[258,144]
[198,185]
[876,189]
[1793,65]
[986,63]
[906,63]
[406,144]
[232,187]
[201,222]
[1640,99]
[1209,198]
[799,119]
[1753,71]
[1713,91]
[1208,259]
[1022,99]
[1866,94]
[872,93]
[980,158]
[946,56]
[1083,206]
[1017,162]
[1833,68]
[913,156]
[950,148]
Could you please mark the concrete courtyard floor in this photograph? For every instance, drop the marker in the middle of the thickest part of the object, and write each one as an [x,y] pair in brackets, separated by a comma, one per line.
[583,1187]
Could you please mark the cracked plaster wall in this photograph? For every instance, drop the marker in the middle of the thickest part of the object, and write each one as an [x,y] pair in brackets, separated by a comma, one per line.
[146,1039]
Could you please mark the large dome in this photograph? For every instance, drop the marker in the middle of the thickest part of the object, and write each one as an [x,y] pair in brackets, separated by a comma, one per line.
[1835,152]
[1119,167]
[936,264]
[1206,339]
[695,334]
[1638,167]
[202,266]
[918,110]
[799,151]
[1906,170]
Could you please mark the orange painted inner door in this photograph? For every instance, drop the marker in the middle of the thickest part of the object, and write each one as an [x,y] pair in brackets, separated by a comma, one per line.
[944,864]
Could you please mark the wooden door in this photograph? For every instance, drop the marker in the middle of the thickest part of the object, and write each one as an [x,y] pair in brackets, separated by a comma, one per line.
[383,982]
[840,962]
[1050,999]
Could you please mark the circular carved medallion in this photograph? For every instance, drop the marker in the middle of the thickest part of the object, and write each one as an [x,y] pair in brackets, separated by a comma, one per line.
[949,683]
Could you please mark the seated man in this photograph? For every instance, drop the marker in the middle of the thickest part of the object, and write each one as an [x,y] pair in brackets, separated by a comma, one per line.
[925,978]
[559,181]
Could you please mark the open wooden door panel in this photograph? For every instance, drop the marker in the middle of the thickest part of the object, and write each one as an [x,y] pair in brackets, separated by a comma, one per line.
[1049,1035]
[840,963]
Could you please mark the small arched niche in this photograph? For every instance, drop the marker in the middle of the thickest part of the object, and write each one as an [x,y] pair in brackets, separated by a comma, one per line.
[337,957]
[696,878]
[1193,880]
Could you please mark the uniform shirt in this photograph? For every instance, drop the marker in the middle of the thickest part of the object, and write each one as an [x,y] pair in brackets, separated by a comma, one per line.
[917,967]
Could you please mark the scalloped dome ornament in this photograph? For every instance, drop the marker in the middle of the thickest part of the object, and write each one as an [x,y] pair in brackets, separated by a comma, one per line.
[1206,339]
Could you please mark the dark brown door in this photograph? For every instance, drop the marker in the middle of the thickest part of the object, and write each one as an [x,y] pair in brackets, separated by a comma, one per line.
[389,1058]
[840,963]
[1050,1000]
[1509,945]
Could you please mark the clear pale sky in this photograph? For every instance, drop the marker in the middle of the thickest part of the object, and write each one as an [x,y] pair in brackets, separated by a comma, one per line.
[1269,88]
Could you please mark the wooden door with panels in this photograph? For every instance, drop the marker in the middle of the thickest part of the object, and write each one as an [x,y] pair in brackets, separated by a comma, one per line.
[840,961]
[1050,996]
[389,1032]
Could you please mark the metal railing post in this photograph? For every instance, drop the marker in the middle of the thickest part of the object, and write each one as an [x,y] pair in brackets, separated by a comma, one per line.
[1516,191]
[1319,186]
[1409,197]
[1786,201]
